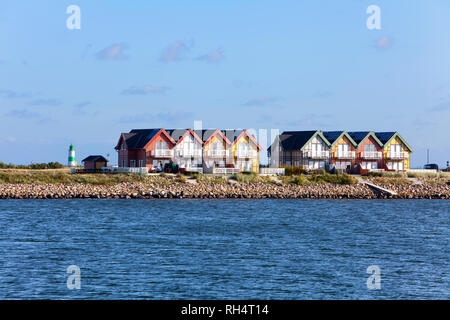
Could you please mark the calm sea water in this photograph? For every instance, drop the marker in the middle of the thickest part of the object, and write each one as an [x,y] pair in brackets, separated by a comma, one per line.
[224,249]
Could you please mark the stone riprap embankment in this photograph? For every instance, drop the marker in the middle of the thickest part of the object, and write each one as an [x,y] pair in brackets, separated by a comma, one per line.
[218,191]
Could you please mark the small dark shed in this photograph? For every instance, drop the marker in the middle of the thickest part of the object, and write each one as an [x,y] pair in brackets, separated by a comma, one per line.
[95,162]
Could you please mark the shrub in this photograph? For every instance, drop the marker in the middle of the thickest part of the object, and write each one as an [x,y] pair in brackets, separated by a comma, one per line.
[212,179]
[333,178]
[36,166]
[180,178]
[428,174]
[299,180]
[374,174]
[293,171]
[346,179]
[390,181]
[196,176]
[385,174]
[246,177]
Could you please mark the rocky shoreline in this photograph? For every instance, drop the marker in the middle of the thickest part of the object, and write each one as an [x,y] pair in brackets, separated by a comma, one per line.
[193,190]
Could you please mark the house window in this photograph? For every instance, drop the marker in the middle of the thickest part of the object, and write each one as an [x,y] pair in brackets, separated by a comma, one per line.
[396,150]
[217,146]
[132,163]
[161,145]
[122,147]
[316,149]
[342,150]
[369,148]
[141,163]
[244,147]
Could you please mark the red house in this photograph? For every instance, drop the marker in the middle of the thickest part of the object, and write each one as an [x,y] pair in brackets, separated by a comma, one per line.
[369,150]
[151,148]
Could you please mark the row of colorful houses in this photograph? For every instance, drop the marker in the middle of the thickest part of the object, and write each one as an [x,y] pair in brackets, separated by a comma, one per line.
[347,151]
[204,151]
[210,150]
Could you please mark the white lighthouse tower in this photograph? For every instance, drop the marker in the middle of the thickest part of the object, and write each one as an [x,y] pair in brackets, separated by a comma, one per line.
[71,158]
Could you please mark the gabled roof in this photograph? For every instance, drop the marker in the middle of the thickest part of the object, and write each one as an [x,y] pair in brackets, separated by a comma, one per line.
[94,159]
[297,140]
[235,135]
[139,138]
[178,134]
[386,137]
[207,134]
[360,136]
[334,136]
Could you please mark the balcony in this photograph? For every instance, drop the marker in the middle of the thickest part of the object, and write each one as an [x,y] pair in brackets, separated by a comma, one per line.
[316,154]
[344,155]
[246,154]
[189,153]
[195,169]
[216,153]
[162,153]
[397,155]
[371,155]
[225,171]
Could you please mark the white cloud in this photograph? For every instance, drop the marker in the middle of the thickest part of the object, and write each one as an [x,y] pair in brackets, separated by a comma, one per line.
[113,52]
[144,90]
[262,101]
[174,52]
[383,43]
[214,56]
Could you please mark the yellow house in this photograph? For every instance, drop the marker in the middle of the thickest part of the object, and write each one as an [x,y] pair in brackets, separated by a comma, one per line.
[244,150]
[396,151]
[216,149]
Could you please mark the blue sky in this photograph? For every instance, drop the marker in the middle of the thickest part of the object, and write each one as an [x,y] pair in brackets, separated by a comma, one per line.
[287,65]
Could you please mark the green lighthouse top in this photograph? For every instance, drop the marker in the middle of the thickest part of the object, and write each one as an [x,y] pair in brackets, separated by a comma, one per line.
[71,147]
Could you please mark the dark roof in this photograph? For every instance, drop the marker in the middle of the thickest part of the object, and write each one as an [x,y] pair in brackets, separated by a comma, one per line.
[95,159]
[176,134]
[231,134]
[358,136]
[138,138]
[332,135]
[294,140]
[205,134]
[384,136]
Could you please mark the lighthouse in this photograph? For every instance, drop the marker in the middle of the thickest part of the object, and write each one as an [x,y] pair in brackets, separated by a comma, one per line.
[71,159]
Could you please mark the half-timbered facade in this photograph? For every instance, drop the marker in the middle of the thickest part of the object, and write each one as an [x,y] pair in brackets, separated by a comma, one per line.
[369,150]
[216,150]
[244,150]
[342,150]
[396,151]
[188,149]
[151,148]
[304,149]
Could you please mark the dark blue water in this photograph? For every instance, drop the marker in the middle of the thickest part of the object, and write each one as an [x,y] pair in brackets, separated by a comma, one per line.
[223,249]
